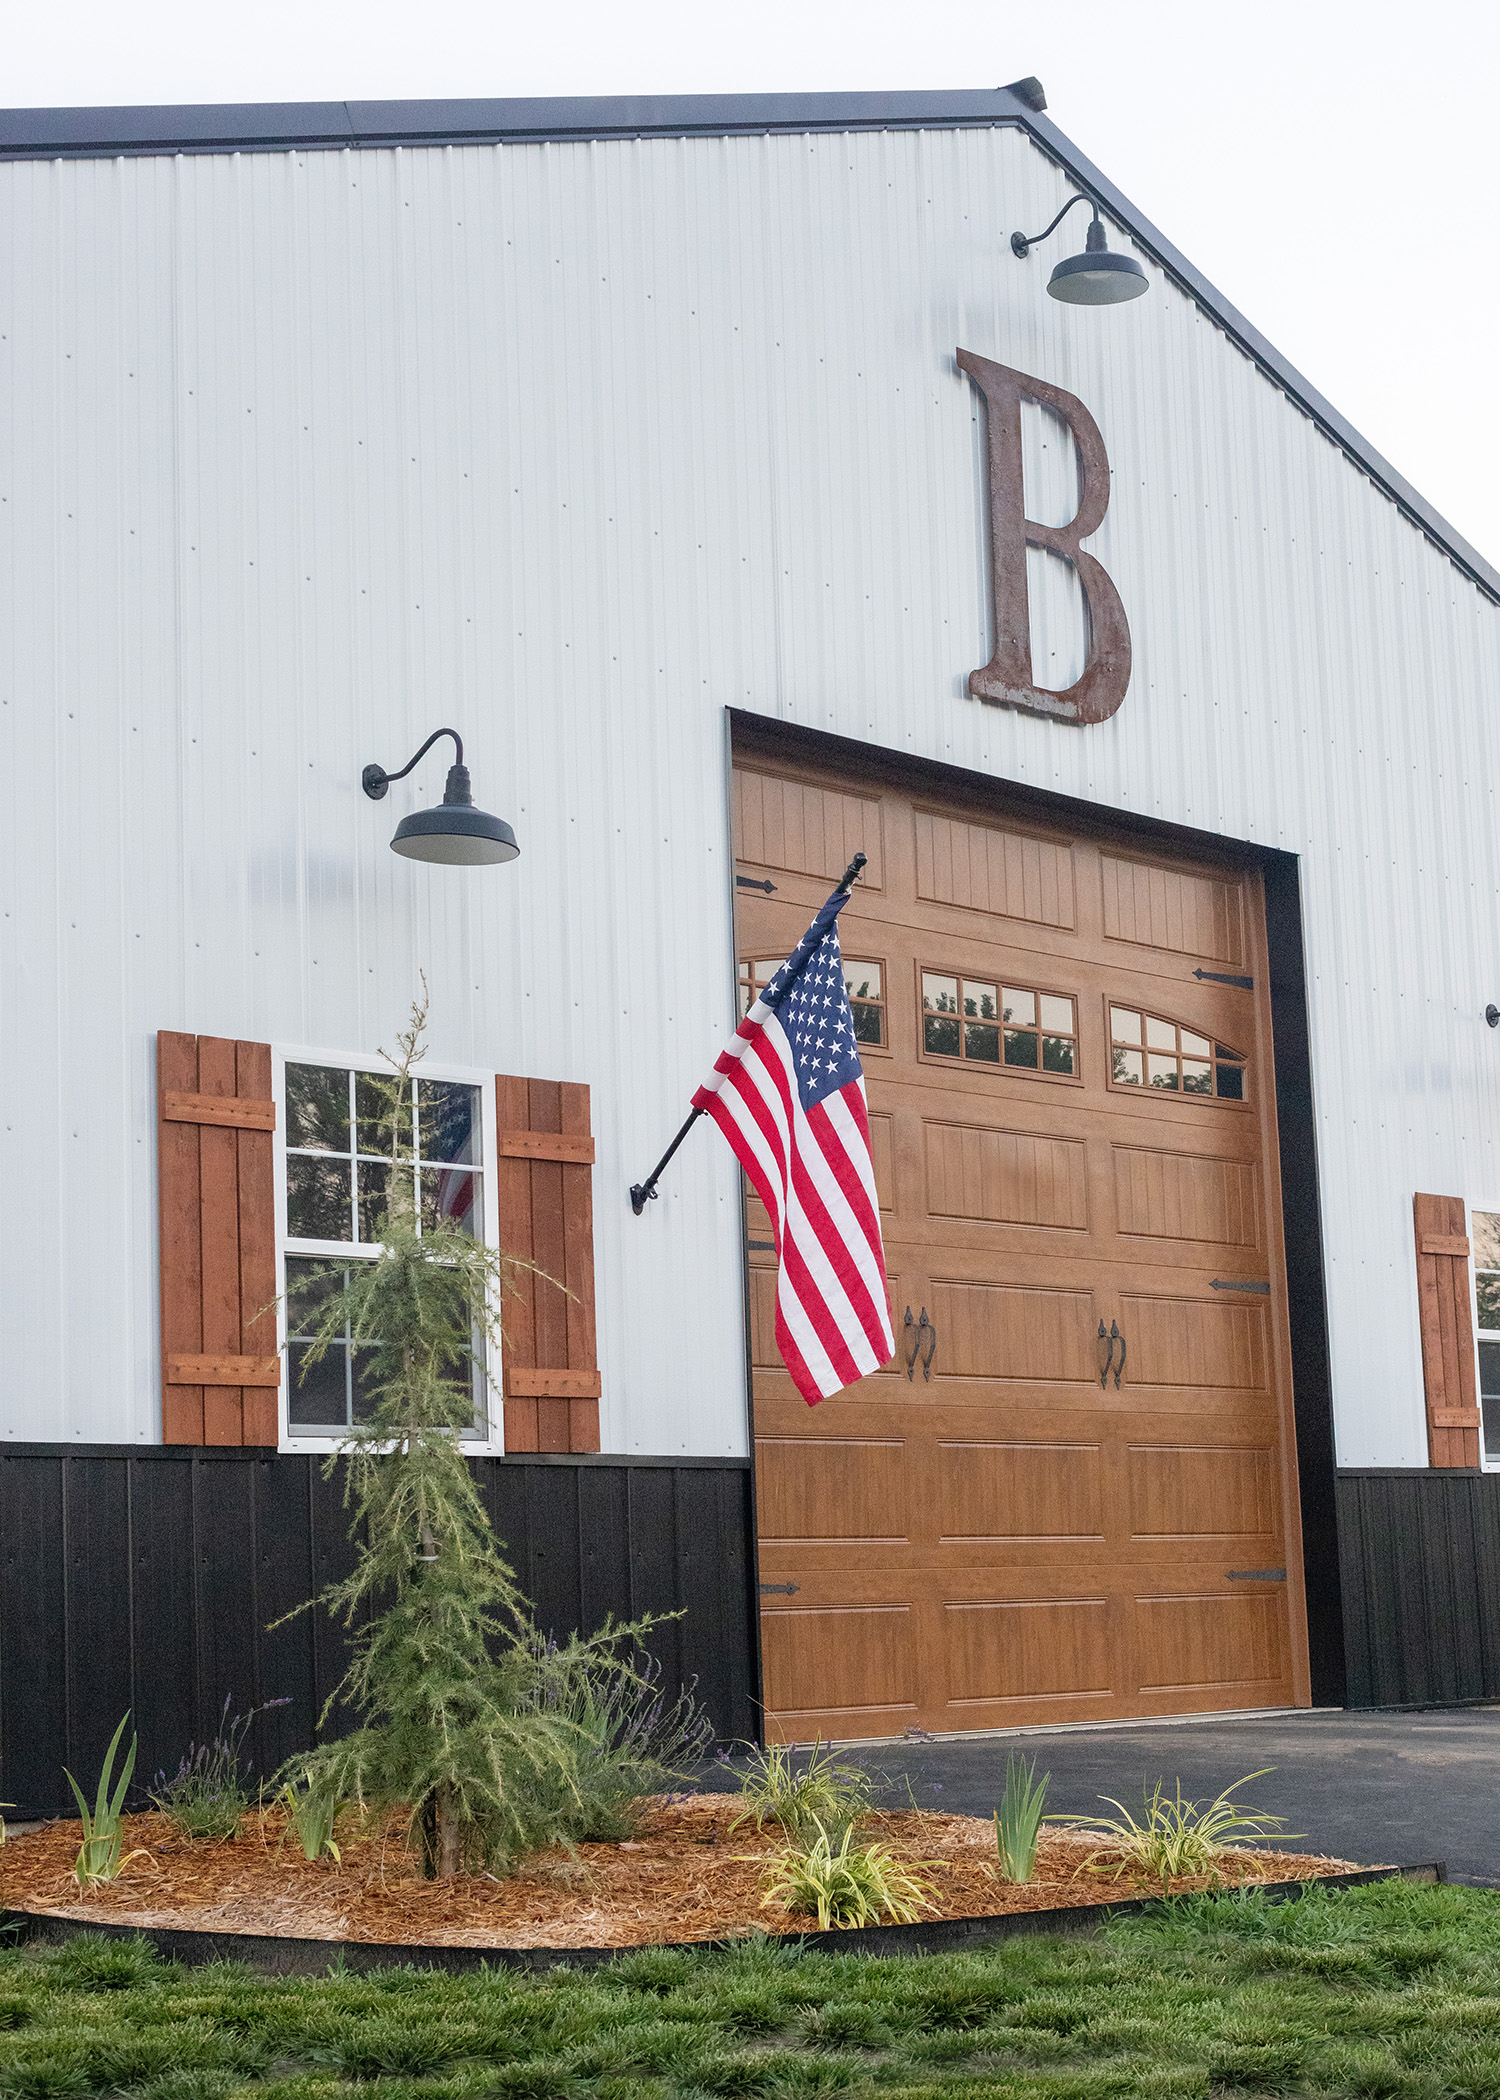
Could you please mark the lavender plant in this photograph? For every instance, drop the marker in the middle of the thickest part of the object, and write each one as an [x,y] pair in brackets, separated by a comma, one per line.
[634,1739]
[207,1795]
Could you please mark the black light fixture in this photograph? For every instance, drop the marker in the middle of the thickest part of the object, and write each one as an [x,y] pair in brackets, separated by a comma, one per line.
[456,834]
[1098,277]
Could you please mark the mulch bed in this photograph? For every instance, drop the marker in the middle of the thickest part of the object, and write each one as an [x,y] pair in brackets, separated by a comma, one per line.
[685,1876]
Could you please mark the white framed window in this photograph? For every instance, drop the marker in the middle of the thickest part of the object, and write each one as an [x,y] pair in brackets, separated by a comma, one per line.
[1484,1268]
[331,1186]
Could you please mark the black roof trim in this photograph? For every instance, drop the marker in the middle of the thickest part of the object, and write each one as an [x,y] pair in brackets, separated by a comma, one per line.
[250,127]
[260,127]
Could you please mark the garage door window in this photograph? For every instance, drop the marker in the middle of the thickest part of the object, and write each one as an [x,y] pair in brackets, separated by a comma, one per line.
[1147,1050]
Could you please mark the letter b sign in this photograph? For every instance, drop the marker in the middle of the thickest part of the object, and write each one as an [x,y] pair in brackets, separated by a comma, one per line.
[1007,677]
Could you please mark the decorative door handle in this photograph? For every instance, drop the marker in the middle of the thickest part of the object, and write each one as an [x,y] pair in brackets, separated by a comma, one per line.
[1116,1336]
[910,1325]
[1109,1351]
[924,1322]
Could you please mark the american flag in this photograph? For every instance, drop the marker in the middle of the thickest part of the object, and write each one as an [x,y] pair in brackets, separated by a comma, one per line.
[789,1094]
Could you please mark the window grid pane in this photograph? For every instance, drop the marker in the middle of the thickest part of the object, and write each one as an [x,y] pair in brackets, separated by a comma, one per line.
[1011,1025]
[1177,1059]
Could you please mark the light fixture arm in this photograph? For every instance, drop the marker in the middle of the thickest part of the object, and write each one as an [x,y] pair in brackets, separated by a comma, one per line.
[1021,244]
[375,780]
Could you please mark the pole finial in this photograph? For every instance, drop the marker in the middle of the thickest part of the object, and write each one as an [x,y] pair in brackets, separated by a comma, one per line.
[853,872]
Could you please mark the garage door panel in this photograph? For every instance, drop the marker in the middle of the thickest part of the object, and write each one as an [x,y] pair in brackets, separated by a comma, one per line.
[858,1658]
[1171,908]
[812,1489]
[987,869]
[1033,1648]
[1180,1195]
[1010,1493]
[1188,1491]
[1210,1642]
[1180,1341]
[805,827]
[989,1330]
[1009,1177]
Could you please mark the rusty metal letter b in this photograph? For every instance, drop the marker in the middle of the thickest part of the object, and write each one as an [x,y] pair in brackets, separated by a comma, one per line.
[1007,678]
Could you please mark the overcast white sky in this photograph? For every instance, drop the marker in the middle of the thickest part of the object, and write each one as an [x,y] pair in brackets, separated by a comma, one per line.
[1327,166]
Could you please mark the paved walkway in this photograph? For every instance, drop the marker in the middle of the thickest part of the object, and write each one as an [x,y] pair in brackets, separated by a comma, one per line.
[1373,1787]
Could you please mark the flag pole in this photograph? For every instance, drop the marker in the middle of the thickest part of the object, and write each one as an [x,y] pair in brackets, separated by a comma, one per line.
[644,1192]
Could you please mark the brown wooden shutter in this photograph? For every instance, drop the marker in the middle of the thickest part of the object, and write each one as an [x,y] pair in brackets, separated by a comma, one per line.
[545,1179]
[216,1173]
[1447,1330]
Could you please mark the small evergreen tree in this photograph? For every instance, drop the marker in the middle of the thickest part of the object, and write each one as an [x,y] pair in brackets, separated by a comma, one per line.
[459,1713]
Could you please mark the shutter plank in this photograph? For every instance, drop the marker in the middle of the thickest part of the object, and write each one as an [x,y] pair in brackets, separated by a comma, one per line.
[578,1271]
[179,1247]
[1462,1394]
[547,1237]
[513,1203]
[219,1234]
[255,1166]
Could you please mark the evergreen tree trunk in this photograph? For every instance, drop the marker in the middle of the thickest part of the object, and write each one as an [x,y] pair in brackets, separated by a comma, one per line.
[449,1847]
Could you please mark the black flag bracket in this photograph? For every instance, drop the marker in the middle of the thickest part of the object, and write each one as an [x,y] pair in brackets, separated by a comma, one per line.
[644,1192]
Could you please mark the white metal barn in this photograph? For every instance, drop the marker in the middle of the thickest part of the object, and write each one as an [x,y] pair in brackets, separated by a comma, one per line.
[631,441]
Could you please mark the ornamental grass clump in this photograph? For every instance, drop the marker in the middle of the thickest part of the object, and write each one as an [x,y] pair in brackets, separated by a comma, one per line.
[845,1884]
[1018,1819]
[496,1742]
[820,1794]
[101,1856]
[311,1817]
[1174,1839]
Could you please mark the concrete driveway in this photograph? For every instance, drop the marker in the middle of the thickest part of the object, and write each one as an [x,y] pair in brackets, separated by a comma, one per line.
[1372,1787]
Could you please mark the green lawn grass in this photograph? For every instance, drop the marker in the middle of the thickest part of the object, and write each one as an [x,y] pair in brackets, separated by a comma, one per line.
[1392,1989]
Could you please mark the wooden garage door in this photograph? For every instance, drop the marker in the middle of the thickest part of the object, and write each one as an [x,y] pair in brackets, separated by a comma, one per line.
[1072,1495]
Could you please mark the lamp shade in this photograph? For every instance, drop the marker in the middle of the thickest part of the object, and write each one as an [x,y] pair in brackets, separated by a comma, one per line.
[1098,277]
[455,836]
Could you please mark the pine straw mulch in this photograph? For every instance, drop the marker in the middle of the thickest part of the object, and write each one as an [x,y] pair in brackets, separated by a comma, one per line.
[685,1876]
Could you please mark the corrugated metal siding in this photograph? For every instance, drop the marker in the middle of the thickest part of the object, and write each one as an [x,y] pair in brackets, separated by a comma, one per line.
[575,445]
[1420,1561]
[149,1581]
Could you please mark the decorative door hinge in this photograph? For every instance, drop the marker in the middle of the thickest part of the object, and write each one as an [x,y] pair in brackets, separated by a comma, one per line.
[1241,984]
[779,1589]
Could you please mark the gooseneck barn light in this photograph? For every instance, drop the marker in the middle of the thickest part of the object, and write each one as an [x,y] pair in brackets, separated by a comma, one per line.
[455,834]
[1098,277]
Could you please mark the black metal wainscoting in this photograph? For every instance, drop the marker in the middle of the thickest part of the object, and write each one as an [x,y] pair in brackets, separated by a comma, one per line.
[148,1580]
[1420,1558]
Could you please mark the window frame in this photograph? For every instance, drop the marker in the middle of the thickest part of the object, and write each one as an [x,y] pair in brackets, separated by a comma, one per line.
[1487,1334]
[491,1444]
[865,1050]
[1147,1092]
[1002,1069]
